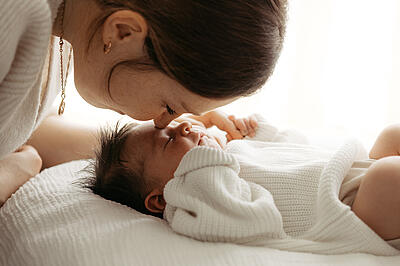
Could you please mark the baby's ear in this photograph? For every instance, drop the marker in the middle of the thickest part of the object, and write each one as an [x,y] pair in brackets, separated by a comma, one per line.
[154,201]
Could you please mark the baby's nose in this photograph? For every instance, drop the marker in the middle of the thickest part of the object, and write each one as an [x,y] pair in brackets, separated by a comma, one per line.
[184,128]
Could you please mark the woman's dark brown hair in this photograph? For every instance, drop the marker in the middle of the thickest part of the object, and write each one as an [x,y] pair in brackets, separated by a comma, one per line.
[214,48]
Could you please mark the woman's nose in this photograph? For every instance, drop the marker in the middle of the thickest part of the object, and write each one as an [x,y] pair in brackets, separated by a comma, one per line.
[184,128]
[163,120]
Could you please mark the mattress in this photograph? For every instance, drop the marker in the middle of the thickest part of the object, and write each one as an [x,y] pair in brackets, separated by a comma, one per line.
[51,220]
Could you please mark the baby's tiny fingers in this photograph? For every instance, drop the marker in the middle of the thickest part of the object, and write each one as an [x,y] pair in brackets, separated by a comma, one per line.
[250,129]
[253,122]
[231,128]
[241,125]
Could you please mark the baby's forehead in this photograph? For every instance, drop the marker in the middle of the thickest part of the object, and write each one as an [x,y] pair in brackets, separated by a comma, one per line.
[147,129]
[141,132]
[138,143]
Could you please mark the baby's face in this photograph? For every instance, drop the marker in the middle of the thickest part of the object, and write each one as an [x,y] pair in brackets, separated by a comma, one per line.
[163,149]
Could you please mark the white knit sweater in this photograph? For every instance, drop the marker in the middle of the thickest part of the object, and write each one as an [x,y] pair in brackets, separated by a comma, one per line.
[25,30]
[270,193]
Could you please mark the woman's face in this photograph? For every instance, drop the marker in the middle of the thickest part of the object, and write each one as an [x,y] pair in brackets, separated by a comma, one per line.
[143,95]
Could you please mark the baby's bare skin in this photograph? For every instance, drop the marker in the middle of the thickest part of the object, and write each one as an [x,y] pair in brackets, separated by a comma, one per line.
[377,202]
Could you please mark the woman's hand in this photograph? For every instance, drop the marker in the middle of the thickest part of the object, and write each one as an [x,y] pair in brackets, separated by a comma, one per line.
[17,168]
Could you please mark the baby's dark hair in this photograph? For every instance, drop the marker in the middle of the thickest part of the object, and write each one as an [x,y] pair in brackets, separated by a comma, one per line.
[111,177]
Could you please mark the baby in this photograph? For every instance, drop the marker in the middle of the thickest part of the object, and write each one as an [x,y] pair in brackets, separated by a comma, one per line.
[269,189]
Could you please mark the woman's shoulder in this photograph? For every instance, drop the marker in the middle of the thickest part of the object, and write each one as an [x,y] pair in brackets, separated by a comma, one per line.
[23,24]
[17,16]
[25,29]
[24,10]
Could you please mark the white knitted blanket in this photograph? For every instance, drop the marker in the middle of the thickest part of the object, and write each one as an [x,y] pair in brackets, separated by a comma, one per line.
[51,222]
[274,194]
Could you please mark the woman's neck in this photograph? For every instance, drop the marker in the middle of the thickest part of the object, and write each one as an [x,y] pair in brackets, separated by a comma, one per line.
[73,18]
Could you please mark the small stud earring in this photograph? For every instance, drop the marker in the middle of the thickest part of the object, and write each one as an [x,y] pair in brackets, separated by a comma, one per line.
[107,48]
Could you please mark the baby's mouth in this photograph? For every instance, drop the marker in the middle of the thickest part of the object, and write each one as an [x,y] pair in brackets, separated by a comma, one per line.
[201,135]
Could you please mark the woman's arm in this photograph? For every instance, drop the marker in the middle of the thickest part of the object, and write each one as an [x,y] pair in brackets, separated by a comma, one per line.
[55,141]
[59,140]
[25,28]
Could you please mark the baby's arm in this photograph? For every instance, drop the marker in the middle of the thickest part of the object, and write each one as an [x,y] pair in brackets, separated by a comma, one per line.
[377,202]
[253,127]
[387,144]
[234,128]
[208,201]
[264,131]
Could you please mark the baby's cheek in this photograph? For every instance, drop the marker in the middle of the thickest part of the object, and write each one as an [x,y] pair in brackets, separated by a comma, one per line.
[186,147]
[209,142]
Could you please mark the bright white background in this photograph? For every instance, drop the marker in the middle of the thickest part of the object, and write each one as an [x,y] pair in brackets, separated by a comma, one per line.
[339,73]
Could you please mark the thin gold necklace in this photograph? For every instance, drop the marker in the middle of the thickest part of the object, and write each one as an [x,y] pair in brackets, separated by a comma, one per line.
[61,108]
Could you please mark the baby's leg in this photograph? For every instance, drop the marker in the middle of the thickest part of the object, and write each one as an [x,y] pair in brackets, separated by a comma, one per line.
[377,202]
[387,144]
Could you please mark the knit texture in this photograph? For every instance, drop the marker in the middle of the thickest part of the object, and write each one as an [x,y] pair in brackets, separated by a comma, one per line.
[25,29]
[50,221]
[275,194]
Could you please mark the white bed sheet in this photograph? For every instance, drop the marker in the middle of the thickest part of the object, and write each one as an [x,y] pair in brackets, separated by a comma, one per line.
[50,221]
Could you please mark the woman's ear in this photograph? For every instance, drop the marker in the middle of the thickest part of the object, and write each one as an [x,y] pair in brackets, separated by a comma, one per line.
[154,201]
[125,27]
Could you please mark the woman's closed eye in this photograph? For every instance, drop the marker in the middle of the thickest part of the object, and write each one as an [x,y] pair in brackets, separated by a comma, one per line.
[170,110]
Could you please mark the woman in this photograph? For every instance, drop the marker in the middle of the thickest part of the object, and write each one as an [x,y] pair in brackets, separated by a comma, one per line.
[144,58]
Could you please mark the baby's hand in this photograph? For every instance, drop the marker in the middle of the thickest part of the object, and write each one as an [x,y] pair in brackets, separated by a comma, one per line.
[247,126]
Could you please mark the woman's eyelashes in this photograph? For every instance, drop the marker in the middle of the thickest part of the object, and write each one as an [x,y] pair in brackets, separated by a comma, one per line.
[170,110]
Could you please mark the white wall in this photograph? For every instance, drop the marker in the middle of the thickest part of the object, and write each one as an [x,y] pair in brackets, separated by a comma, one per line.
[339,71]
